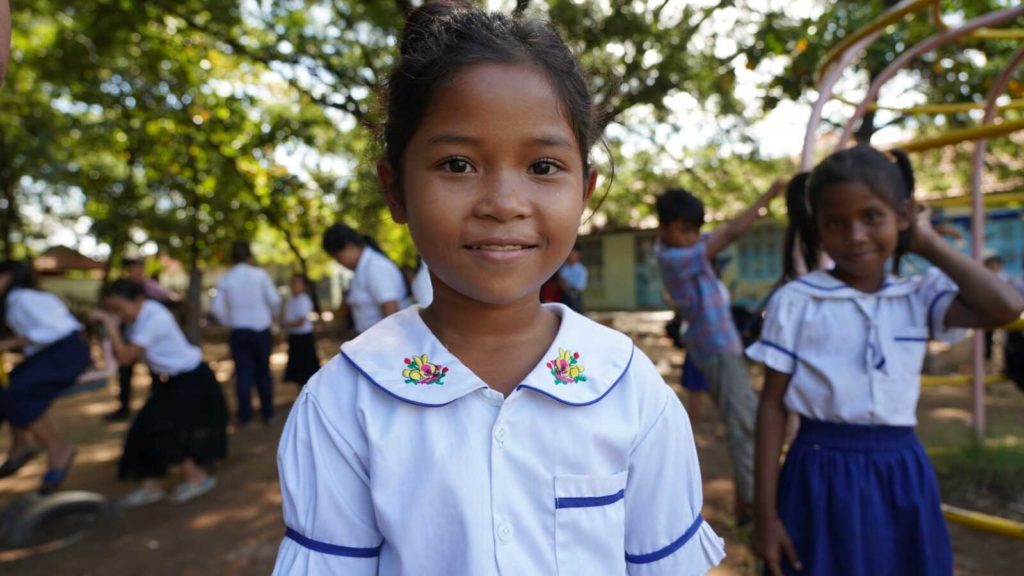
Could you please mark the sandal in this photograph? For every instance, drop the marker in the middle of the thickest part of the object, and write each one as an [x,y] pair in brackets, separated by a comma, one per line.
[188,491]
[15,462]
[54,477]
[142,497]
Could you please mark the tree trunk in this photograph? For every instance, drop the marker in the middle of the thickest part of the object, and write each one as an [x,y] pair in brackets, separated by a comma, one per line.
[194,304]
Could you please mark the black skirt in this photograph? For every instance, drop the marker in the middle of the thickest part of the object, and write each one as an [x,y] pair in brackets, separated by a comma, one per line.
[185,417]
[303,361]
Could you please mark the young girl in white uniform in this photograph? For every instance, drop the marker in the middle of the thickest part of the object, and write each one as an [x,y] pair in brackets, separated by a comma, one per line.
[843,349]
[487,433]
[55,355]
[303,361]
[184,421]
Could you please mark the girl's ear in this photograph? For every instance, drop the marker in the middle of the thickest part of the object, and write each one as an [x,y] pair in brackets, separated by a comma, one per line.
[392,195]
[906,216]
[591,186]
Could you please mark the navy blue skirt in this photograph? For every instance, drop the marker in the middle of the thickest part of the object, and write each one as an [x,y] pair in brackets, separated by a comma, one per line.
[693,378]
[863,500]
[41,378]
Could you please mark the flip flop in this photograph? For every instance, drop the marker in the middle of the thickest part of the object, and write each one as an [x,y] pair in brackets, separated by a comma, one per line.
[54,477]
[14,463]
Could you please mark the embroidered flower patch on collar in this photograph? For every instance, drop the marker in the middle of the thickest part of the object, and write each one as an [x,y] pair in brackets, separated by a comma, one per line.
[420,371]
[566,368]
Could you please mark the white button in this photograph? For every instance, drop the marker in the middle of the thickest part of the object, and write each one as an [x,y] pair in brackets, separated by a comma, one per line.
[505,532]
[501,432]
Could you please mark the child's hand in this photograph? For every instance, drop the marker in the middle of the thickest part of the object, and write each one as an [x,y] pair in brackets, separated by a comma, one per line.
[922,235]
[772,543]
[100,317]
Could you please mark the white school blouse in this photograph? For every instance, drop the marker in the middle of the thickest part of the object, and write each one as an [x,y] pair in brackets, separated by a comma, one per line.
[39,317]
[246,298]
[422,289]
[375,280]
[296,308]
[853,357]
[165,348]
[398,461]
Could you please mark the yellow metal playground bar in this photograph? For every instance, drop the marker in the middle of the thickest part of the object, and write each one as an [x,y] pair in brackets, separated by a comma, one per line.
[829,71]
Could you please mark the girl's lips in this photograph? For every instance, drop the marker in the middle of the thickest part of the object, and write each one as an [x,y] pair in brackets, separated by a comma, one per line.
[500,251]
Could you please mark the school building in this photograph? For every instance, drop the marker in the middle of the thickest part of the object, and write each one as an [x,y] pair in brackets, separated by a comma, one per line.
[624,272]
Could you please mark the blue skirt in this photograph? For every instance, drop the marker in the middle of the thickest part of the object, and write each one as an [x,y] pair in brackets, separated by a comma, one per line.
[863,500]
[41,378]
[693,378]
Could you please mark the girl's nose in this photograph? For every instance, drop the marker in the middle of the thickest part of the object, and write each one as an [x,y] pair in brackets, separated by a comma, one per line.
[504,197]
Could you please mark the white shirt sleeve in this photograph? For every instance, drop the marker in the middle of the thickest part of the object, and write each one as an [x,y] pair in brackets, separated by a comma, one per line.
[665,532]
[937,294]
[328,510]
[219,306]
[386,283]
[147,329]
[270,295]
[776,348]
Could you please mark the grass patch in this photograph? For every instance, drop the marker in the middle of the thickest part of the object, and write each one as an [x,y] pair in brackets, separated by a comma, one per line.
[985,478]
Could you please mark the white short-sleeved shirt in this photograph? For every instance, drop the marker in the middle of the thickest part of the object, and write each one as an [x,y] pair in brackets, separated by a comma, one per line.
[165,348]
[398,461]
[853,357]
[375,280]
[299,308]
[40,317]
[422,289]
[246,298]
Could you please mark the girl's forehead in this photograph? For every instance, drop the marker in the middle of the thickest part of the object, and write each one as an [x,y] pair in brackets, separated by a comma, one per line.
[850,196]
[497,100]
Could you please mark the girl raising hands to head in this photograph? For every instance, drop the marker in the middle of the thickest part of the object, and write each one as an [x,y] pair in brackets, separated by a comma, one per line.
[487,433]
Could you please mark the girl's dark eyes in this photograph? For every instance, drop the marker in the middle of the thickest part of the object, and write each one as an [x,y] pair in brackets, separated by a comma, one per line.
[544,168]
[457,165]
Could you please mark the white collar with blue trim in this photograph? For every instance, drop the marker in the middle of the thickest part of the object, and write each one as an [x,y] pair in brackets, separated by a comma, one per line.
[402,356]
[821,284]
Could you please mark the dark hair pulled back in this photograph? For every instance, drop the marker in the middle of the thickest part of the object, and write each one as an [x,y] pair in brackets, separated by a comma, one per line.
[123,287]
[891,180]
[338,236]
[22,276]
[444,37]
[800,229]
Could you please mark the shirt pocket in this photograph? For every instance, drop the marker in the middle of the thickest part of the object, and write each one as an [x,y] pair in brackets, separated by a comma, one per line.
[910,343]
[590,524]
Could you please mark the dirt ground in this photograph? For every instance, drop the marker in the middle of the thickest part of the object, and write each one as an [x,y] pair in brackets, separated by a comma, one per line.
[236,528]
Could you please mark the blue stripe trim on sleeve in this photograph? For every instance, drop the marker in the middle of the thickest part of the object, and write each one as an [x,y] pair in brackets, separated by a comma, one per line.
[789,353]
[931,309]
[910,339]
[332,549]
[667,550]
[590,501]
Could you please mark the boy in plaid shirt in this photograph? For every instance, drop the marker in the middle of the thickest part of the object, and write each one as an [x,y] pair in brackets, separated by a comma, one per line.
[712,341]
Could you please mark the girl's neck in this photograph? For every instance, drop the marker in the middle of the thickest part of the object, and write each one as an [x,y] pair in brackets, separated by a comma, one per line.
[500,343]
[868,284]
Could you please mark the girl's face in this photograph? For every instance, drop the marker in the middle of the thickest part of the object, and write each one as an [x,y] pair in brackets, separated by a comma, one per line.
[349,255]
[125,309]
[493,184]
[298,286]
[859,231]
[5,282]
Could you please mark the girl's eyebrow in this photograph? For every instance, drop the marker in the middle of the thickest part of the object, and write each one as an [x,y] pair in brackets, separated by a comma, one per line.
[550,140]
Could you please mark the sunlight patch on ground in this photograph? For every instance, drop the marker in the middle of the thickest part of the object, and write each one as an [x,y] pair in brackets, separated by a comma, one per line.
[952,415]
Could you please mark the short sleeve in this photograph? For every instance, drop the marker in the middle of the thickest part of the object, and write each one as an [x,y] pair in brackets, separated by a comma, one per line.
[936,295]
[665,531]
[328,512]
[219,306]
[776,348]
[270,295]
[148,329]
[685,262]
[386,283]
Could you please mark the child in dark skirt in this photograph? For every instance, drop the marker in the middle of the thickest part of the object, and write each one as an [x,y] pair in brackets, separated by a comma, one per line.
[184,422]
[303,361]
[696,386]
[843,349]
[55,355]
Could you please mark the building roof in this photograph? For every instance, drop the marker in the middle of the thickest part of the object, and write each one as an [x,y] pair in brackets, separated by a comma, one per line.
[61,259]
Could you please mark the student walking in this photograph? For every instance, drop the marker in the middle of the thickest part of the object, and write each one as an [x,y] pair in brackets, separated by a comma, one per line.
[248,302]
[843,348]
[489,432]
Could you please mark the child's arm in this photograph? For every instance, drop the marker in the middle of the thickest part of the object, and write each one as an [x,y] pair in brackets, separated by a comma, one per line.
[984,301]
[125,352]
[13,343]
[771,541]
[729,232]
